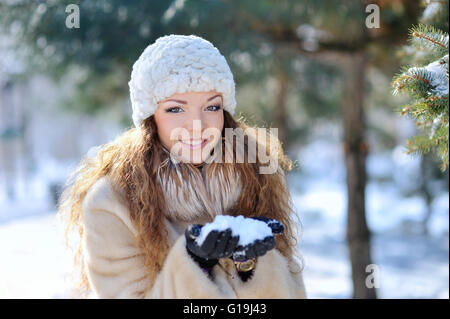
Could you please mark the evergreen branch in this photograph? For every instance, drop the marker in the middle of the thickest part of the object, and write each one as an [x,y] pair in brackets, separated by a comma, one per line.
[433,74]
[423,36]
[427,83]
[428,37]
[416,77]
[413,80]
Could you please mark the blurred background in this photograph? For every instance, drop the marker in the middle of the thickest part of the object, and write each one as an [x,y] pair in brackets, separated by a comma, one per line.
[375,216]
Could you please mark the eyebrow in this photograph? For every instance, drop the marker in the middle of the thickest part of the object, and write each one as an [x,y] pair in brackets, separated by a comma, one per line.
[184,102]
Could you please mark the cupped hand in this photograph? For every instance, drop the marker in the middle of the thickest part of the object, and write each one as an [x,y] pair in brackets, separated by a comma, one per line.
[260,246]
[217,244]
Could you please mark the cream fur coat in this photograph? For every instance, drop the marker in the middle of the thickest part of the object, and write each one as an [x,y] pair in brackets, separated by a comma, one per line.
[115,266]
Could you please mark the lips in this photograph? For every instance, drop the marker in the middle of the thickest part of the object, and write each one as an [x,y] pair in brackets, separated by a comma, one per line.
[195,144]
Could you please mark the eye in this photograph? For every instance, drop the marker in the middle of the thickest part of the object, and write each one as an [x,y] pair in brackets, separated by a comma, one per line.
[175,109]
[214,108]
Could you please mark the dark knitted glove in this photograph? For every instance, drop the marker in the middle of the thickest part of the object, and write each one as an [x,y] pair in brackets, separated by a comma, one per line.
[217,244]
[259,247]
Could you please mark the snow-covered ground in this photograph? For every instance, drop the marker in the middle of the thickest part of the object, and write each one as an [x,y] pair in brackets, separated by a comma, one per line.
[34,262]
[35,265]
[408,264]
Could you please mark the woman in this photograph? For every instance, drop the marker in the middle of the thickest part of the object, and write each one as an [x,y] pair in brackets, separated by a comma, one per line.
[141,202]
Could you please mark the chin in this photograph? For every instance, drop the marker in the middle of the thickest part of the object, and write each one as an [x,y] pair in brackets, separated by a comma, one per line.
[195,160]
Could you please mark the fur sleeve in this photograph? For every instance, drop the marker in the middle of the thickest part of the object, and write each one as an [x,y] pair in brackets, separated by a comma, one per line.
[273,277]
[181,277]
[115,265]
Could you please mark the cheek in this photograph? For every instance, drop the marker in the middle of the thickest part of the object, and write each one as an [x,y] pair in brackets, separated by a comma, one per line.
[165,126]
[216,121]
[214,127]
[169,131]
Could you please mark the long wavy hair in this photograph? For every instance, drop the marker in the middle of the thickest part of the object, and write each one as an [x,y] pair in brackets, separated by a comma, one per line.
[131,162]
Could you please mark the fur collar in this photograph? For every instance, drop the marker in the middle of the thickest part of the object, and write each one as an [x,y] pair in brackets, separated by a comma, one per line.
[198,192]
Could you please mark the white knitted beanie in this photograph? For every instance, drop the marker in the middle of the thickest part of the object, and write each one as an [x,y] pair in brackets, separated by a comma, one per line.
[178,64]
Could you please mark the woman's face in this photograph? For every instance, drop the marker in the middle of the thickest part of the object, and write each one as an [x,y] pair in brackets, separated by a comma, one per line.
[190,124]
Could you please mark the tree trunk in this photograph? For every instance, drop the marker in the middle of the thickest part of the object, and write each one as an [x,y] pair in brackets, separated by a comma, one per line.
[358,235]
[280,108]
[426,164]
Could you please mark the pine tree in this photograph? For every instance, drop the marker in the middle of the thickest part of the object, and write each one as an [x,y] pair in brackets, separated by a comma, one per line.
[425,79]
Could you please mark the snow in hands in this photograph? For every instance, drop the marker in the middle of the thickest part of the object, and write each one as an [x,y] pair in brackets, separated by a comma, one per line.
[247,229]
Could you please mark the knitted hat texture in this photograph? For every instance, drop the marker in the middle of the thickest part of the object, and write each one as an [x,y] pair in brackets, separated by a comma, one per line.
[178,64]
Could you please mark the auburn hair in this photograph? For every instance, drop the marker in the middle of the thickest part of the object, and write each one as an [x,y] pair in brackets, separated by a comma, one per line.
[131,162]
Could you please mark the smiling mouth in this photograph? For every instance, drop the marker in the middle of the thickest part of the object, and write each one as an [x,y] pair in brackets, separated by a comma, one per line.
[195,144]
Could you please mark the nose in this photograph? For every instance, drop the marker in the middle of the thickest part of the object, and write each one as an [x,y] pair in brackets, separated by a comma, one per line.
[195,124]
